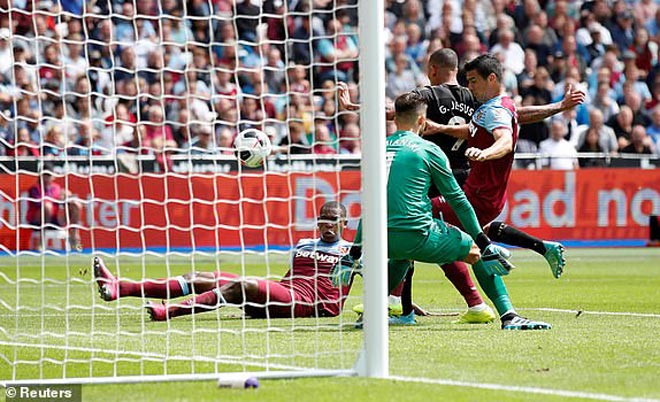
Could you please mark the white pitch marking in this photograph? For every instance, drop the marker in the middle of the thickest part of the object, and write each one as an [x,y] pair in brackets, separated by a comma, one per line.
[528,390]
[615,313]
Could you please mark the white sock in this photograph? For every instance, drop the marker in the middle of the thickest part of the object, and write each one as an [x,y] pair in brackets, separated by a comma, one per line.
[395,300]
[479,307]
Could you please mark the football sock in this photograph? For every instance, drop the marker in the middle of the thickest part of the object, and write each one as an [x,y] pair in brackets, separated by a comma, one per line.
[158,288]
[206,301]
[503,233]
[398,291]
[406,291]
[396,271]
[494,287]
[459,275]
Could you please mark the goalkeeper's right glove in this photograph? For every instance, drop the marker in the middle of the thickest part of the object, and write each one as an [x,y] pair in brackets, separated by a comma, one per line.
[343,271]
[494,258]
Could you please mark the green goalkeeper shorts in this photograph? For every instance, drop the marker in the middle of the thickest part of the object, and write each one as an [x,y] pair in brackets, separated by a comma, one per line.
[442,244]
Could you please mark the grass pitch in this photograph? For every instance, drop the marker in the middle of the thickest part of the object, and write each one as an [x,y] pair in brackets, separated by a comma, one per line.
[604,343]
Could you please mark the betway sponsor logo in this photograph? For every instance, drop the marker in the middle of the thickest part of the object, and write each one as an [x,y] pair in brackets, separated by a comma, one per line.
[321,257]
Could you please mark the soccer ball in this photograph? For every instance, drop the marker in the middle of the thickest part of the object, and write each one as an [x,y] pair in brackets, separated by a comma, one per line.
[253,147]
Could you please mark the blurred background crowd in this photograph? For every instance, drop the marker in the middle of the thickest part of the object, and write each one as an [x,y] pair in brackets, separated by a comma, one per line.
[171,76]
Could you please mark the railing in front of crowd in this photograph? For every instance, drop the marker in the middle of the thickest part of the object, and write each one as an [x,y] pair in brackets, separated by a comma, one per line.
[206,163]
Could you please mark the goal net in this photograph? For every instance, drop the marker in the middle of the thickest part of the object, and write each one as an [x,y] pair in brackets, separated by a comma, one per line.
[116,136]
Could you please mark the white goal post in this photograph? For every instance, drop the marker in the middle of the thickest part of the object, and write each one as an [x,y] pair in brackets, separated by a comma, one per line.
[115,100]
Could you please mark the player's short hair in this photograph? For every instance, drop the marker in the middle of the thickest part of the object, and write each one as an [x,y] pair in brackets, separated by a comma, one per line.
[334,205]
[485,65]
[444,58]
[409,105]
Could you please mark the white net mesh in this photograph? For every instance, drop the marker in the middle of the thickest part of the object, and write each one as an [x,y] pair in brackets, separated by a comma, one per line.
[135,105]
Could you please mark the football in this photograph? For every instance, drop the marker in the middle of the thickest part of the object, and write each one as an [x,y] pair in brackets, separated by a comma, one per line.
[253,147]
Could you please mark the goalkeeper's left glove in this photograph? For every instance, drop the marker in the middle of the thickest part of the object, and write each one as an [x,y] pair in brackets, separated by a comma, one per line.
[343,271]
[495,261]
[494,258]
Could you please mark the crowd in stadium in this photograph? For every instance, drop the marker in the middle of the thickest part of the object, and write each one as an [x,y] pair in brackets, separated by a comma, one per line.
[165,77]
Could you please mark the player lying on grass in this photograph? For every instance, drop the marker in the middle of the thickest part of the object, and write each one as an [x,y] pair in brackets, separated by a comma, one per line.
[306,290]
[413,166]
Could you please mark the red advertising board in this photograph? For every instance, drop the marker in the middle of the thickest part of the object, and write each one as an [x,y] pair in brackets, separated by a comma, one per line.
[124,211]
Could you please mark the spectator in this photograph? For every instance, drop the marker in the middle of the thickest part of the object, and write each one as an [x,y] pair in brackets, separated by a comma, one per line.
[591,145]
[295,140]
[338,52]
[400,80]
[158,135]
[639,142]
[247,19]
[118,130]
[349,142]
[607,140]
[645,50]
[536,94]
[533,40]
[511,51]
[653,131]
[226,141]
[5,51]
[202,141]
[417,46]
[23,145]
[603,101]
[54,143]
[561,154]
[322,141]
[87,142]
[597,45]
[526,78]
[52,207]
[622,123]
[275,71]
[622,30]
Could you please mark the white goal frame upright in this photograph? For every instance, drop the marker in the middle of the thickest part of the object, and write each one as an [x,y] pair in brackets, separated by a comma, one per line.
[373,360]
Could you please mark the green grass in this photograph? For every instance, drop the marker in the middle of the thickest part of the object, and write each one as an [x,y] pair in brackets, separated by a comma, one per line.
[595,352]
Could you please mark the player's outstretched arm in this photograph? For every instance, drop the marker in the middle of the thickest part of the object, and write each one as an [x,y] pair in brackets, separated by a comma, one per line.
[533,114]
[502,146]
[457,131]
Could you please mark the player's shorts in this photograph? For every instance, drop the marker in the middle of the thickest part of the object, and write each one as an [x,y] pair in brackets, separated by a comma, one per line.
[485,212]
[34,216]
[441,245]
[274,299]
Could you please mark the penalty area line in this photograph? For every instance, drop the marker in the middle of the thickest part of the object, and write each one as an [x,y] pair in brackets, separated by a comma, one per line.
[528,390]
[613,313]
[441,312]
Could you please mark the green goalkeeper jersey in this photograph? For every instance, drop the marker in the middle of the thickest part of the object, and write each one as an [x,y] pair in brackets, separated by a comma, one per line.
[413,165]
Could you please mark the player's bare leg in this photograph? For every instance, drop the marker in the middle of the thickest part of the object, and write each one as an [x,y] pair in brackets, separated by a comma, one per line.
[73,208]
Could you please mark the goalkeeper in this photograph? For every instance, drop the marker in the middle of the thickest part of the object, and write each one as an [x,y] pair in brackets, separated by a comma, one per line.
[306,290]
[414,164]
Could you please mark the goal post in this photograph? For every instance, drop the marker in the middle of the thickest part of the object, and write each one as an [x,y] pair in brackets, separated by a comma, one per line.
[119,99]
[374,184]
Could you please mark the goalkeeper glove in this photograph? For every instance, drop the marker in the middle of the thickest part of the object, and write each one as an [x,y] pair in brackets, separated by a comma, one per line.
[495,259]
[343,271]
